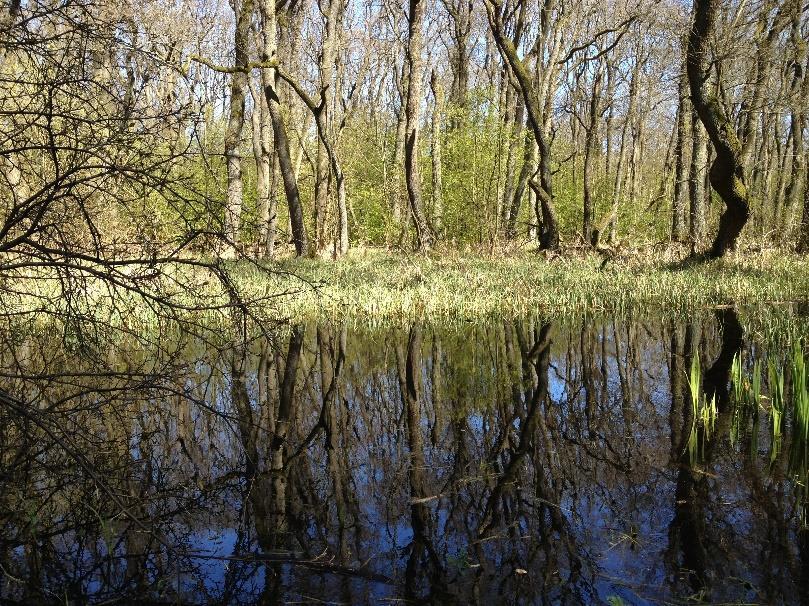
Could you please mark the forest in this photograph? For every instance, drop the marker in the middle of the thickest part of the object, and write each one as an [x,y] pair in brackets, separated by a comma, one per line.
[203,129]
[404,301]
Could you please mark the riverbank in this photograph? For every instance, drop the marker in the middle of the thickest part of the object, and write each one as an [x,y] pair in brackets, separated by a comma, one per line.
[378,285]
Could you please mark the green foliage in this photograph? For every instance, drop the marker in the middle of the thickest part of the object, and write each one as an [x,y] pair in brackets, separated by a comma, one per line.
[703,413]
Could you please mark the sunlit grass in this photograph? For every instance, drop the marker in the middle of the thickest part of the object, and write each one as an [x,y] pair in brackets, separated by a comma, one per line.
[378,285]
[373,286]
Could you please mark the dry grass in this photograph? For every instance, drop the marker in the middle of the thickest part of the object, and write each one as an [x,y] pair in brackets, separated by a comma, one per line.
[376,285]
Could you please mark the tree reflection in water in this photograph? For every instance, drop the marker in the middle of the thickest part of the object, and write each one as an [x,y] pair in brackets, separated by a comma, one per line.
[521,461]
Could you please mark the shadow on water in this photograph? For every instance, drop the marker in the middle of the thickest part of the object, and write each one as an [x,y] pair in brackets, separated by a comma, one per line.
[529,462]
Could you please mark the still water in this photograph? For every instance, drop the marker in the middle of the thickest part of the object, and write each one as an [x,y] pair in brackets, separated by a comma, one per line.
[535,461]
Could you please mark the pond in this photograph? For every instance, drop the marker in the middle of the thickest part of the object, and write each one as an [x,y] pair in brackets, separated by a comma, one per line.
[533,461]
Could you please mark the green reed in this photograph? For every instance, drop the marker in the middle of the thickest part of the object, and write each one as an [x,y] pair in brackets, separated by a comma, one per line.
[704,412]
[799,453]
[789,413]
[776,376]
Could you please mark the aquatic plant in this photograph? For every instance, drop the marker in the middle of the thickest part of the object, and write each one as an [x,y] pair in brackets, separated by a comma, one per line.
[737,378]
[800,395]
[695,385]
[740,398]
[799,452]
[754,395]
[704,412]
[776,377]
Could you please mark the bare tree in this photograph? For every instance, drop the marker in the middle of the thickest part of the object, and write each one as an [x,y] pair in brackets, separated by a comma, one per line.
[270,83]
[415,65]
[727,170]
[243,10]
[543,186]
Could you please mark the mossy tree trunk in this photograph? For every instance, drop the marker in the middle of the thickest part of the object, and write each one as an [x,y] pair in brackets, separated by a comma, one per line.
[542,182]
[727,171]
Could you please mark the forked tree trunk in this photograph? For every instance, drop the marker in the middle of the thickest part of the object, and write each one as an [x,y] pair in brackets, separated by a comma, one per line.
[727,170]
[542,182]
[461,13]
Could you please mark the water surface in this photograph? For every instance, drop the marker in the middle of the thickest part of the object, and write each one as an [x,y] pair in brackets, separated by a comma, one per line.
[531,461]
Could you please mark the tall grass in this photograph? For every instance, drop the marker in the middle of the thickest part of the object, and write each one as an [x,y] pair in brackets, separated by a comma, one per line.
[382,285]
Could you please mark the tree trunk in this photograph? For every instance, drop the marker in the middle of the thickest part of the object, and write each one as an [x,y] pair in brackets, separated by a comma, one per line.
[543,186]
[262,142]
[528,168]
[285,163]
[438,109]
[415,62]
[696,182]
[461,13]
[727,170]
[398,154]
[324,176]
[678,219]
[620,172]
[803,230]
[235,123]
[591,136]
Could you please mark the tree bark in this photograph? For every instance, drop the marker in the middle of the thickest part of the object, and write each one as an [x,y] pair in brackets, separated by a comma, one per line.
[262,156]
[590,139]
[803,230]
[696,182]
[235,123]
[285,163]
[415,62]
[438,185]
[461,13]
[727,171]
[324,176]
[678,218]
[528,168]
[799,92]
[543,187]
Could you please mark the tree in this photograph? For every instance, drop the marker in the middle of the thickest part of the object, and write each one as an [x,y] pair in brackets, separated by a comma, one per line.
[270,83]
[415,64]
[243,10]
[542,181]
[727,170]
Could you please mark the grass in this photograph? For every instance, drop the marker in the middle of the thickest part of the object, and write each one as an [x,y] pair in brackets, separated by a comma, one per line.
[372,286]
[375,285]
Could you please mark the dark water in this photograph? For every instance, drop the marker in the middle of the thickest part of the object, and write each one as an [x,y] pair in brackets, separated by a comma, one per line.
[524,462]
